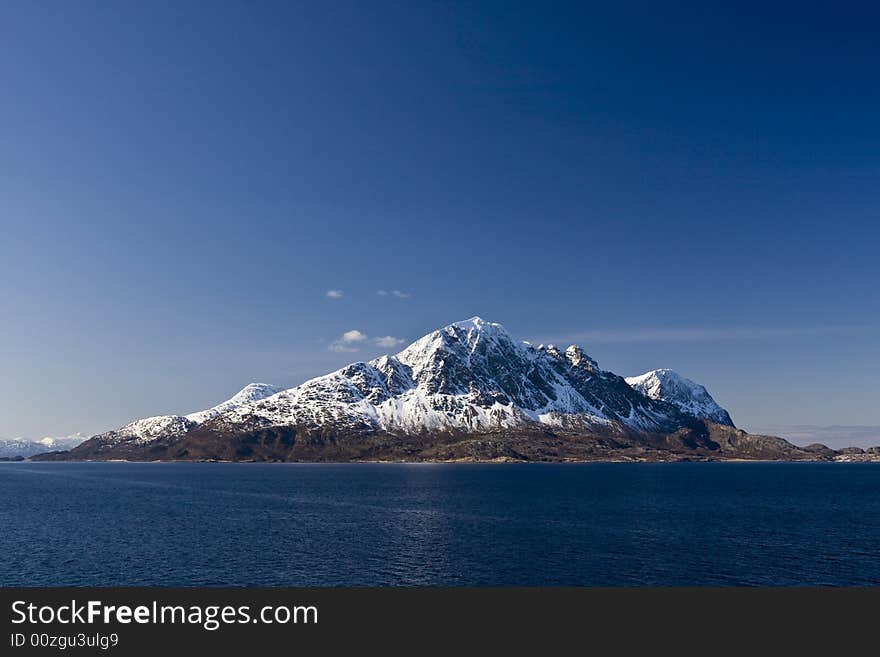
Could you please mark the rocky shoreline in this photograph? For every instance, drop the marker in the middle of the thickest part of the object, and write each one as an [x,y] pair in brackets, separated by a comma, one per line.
[704,441]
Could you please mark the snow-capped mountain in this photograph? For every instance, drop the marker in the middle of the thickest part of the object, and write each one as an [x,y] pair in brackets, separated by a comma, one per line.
[11,448]
[468,388]
[689,397]
[469,376]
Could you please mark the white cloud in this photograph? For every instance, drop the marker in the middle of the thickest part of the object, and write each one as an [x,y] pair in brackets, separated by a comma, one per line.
[382,293]
[388,341]
[351,341]
[401,295]
[354,336]
[706,334]
[334,294]
[348,342]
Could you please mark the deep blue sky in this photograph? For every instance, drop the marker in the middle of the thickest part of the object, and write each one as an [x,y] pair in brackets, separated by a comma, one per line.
[181,184]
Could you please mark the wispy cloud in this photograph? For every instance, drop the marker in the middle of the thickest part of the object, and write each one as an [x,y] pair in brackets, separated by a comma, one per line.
[335,294]
[704,334]
[353,340]
[349,341]
[400,294]
[388,341]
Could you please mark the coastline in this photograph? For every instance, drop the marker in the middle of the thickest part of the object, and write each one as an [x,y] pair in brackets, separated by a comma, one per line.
[500,461]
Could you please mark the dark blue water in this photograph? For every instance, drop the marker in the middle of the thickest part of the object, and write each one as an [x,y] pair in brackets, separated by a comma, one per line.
[363,524]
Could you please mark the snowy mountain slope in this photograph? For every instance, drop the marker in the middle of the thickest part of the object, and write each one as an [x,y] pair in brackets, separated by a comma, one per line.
[689,397]
[169,427]
[250,393]
[147,430]
[470,376]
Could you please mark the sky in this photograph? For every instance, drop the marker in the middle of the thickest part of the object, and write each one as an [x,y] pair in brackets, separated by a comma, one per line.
[195,196]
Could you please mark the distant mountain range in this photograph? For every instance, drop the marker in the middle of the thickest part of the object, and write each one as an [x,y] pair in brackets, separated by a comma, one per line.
[467,391]
[21,447]
[835,436]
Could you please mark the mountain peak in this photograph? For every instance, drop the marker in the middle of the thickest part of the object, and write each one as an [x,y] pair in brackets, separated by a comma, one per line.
[455,358]
[457,338]
[254,391]
[476,321]
[688,396]
[250,393]
[479,325]
[576,357]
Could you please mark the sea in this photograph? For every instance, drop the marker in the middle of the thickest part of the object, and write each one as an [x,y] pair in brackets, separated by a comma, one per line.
[595,524]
